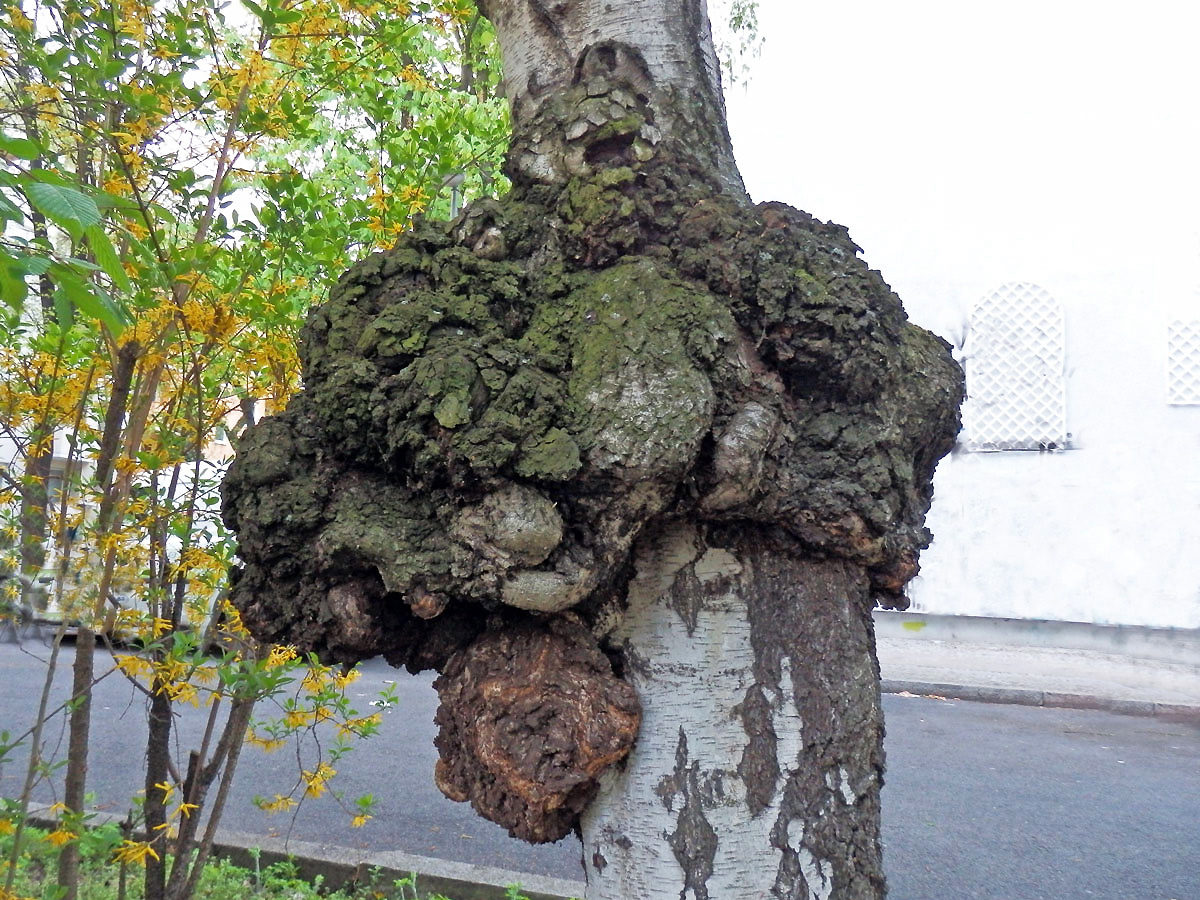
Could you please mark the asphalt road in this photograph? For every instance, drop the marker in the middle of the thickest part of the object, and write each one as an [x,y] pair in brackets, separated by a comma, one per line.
[982,802]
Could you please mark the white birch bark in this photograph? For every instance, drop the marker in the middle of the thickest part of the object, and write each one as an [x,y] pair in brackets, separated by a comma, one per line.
[545,44]
[678,820]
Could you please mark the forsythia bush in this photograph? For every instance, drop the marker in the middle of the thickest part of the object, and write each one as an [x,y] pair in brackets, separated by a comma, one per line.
[179,181]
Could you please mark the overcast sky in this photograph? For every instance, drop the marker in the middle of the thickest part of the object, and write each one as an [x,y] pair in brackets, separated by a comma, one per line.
[964,141]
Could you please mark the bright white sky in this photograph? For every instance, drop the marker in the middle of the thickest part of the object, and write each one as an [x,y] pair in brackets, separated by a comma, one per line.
[966,142]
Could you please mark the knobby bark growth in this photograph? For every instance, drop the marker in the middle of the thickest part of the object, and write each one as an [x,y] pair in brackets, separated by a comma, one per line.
[619,445]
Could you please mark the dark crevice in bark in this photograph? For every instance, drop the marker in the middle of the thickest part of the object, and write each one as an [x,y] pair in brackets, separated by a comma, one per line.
[694,842]
[759,765]
[686,599]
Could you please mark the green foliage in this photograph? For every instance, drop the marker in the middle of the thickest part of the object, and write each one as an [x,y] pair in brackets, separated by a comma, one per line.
[221,880]
[738,39]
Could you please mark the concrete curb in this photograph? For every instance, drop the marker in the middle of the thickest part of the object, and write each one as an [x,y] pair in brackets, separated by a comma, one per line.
[341,865]
[1176,712]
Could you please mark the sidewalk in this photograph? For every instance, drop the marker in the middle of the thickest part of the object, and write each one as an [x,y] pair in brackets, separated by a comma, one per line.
[1151,672]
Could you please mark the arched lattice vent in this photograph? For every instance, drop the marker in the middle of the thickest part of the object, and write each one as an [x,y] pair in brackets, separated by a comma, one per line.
[1183,363]
[1016,388]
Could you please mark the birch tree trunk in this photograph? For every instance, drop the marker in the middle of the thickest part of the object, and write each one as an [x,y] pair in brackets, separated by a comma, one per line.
[757,769]
[758,764]
[628,461]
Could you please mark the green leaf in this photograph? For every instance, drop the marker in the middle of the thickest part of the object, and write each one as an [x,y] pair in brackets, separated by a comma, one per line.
[112,313]
[13,288]
[9,211]
[147,256]
[150,460]
[64,311]
[107,258]
[114,67]
[88,299]
[65,206]
[163,214]
[84,264]
[20,147]
[37,265]
[112,201]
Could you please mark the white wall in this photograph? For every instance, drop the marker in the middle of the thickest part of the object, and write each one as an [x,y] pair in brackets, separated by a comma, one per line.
[1056,142]
[1108,531]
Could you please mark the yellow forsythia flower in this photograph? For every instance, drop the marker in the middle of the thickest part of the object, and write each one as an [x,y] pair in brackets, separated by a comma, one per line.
[60,836]
[270,745]
[297,718]
[281,655]
[315,782]
[134,666]
[134,852]
[279,804]
[18,19]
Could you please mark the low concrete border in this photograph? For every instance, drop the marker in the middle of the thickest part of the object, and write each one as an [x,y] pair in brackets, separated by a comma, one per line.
[1178,712]
[1171,645]
[340,865]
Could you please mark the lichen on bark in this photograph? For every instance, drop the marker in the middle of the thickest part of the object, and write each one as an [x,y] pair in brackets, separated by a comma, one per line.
[495,411]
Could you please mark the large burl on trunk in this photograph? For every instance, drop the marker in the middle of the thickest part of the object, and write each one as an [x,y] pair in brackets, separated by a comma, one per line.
[620,448]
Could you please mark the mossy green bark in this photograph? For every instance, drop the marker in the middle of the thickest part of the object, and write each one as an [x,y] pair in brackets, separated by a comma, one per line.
[495,411]
[626,343]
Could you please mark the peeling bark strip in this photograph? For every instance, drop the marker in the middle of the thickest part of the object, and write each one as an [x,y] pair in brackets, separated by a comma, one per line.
[788,638]
[501,416]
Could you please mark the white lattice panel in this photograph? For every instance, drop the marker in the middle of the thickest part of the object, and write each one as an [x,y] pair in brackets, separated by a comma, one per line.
[1016,355]
[1183,363]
